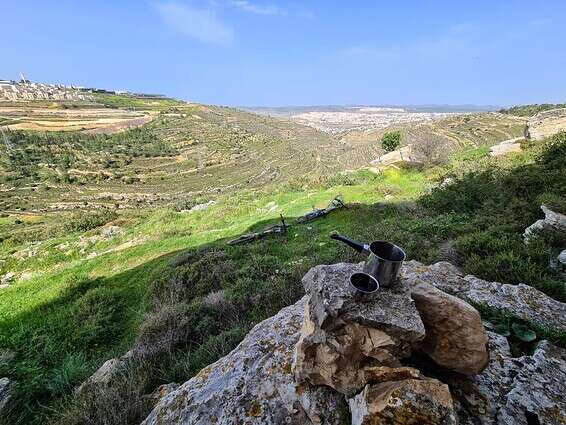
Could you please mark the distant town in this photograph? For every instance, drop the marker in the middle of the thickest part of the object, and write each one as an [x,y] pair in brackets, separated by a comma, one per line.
[26,90]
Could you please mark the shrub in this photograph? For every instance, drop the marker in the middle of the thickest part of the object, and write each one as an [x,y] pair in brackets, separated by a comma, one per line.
[391,140]
[97,316]
[84,221]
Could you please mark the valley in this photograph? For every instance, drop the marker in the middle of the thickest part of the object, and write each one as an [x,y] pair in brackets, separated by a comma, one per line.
[103,252]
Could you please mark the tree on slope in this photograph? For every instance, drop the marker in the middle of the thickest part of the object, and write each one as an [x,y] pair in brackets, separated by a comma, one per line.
[391,140]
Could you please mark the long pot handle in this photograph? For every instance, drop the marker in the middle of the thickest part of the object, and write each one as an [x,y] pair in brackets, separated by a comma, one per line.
[360,247]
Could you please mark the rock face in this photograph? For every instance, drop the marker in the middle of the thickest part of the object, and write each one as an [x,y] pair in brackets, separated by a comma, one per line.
[552,221]
[506,147]
[523,391]
[254,384]
[546,123]
[342,335]
[408,401]
[455,336]
[405,155]
[520,300]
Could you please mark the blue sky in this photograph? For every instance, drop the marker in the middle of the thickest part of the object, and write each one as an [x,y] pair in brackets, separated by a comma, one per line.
[269,52]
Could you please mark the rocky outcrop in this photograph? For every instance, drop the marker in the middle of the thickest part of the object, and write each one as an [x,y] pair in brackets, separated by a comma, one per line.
[254,384]
[402,156]
[521,300]
[343,335]
[546,123]
[506,147]
[455,336]
[552,221]
[523,391]
[333,358]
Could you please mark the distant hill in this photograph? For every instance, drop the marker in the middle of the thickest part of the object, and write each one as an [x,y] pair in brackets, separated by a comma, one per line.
[530,110]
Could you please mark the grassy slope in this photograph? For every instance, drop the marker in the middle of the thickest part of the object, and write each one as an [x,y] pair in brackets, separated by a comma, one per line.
[64,322]
[75,312]
[530,110]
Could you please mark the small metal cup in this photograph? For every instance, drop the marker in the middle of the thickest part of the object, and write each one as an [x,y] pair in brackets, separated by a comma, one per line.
[363,284]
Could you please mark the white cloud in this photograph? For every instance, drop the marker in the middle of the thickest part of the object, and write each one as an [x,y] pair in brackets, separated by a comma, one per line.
[201,24]
[267,9]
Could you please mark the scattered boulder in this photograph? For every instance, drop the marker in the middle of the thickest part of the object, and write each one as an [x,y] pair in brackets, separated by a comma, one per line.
[409,401]
[404,156]
[110,231]
[546,123]
[201,207]
[6,392]
[7,279]
[560,263]
[254,384]
[506,147]
[520,300]
[552,221]
[455,336]
[106,373]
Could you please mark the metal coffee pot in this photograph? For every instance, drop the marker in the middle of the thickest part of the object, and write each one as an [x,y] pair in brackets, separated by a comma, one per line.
[384,259]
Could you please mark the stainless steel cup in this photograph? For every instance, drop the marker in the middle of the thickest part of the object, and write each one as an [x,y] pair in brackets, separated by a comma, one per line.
[363,284]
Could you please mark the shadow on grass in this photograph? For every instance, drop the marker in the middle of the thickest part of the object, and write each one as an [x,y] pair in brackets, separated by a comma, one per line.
[186,309]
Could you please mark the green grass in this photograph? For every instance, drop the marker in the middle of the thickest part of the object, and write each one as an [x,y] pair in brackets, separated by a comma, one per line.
[156,277]
[138,103]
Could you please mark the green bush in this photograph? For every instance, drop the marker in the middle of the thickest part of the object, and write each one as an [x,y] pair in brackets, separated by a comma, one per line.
[391,140]
[88,220]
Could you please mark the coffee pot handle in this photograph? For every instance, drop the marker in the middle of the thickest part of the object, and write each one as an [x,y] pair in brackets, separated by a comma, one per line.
[360,247]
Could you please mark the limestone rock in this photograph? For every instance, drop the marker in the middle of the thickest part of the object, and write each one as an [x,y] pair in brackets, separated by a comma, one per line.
[552,221]
[402,156]
[409,401]
[338,358]
[538,389]
[343,335]
[521,300]
[253,384]
[478,398]
[6,391]
[546,123]
[106,374]
[521,391]
[7,279]
[161,392]
[455,336]
[506,147]
[332,304]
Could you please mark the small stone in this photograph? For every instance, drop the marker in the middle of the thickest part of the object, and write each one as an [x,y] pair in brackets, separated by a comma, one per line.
[8,278]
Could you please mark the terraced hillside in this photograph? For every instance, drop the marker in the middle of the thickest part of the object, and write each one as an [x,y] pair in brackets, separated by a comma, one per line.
[191,151]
